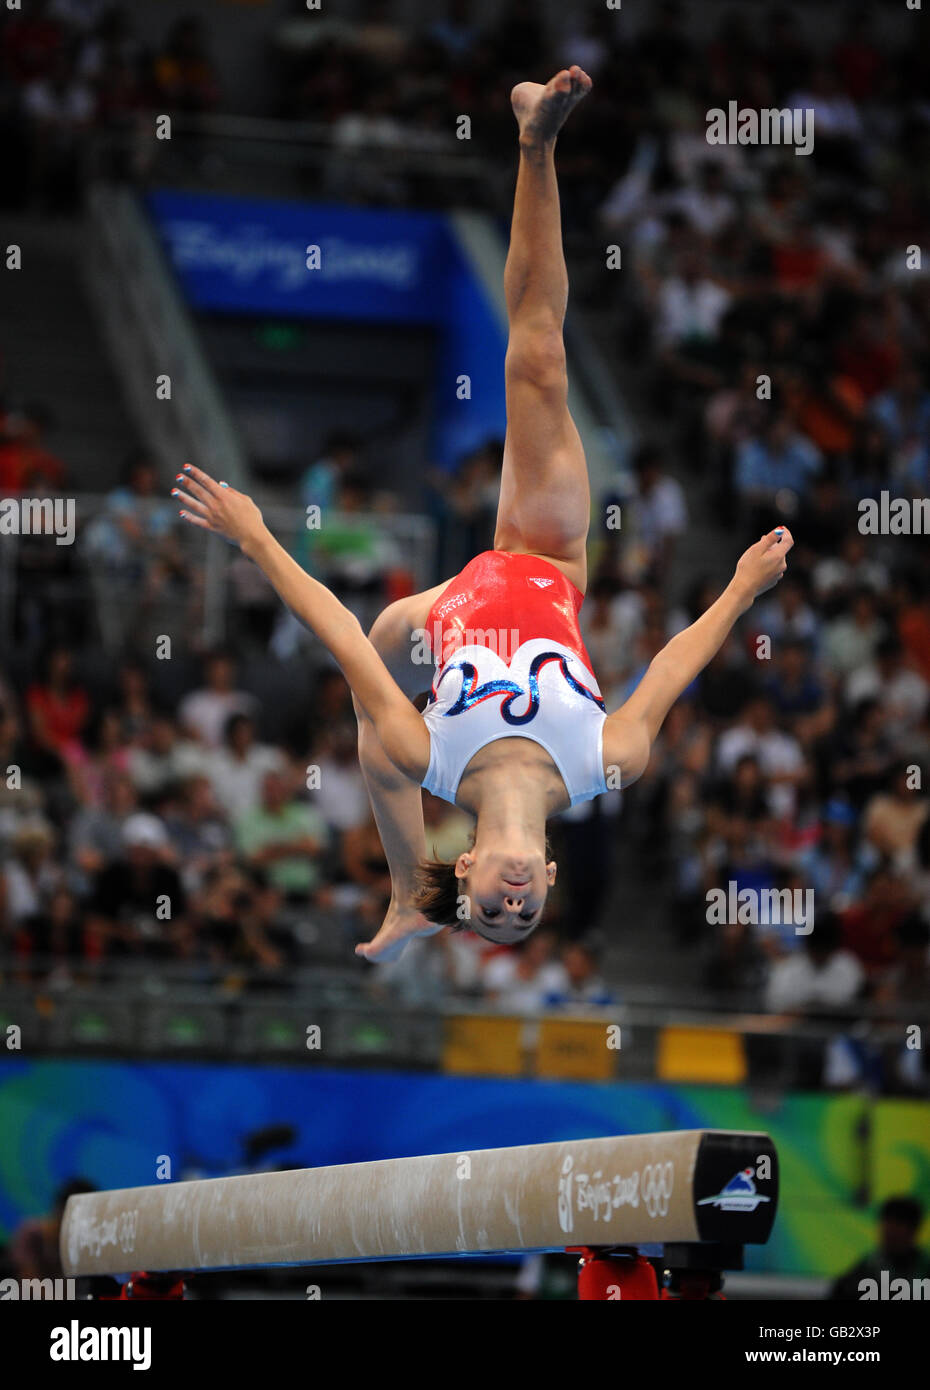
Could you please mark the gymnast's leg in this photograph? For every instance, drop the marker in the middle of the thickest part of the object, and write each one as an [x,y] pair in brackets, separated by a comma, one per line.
[545,502]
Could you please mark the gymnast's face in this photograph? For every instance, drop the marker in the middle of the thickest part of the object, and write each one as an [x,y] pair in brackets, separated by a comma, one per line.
[506,891]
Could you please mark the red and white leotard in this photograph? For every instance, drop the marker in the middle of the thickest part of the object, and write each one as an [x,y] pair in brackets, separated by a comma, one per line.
[511,663]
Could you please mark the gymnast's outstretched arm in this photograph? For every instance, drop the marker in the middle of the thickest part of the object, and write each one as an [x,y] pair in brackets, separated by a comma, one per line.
[215,507]
[630,732]
[396,800]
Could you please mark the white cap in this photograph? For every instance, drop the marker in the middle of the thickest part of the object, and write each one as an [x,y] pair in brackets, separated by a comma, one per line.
[144,830]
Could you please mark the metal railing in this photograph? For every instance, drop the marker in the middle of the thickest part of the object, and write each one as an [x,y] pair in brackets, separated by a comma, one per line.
[151,337]
[270,157]
[222,1011]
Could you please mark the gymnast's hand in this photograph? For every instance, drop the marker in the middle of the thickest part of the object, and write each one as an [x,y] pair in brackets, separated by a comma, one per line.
[763,564]
[401,923]
[217,506]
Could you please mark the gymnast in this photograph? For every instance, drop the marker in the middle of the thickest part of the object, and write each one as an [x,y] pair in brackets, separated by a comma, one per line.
[512,736]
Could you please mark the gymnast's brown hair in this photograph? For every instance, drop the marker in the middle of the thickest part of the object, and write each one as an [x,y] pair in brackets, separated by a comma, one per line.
[438,890]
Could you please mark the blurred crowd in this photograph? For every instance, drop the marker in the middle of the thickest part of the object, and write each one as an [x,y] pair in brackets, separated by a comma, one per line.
[779,316]
[143,828]
[775,316]
[76,83]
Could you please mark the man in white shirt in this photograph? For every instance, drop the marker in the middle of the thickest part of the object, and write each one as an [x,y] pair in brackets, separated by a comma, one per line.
[707,205]
[659,509]
[778,754]
[903,693]
[818,979]
[204,713]
[690,304]
[338,787]
[161,759]
[237,770]
[852,639]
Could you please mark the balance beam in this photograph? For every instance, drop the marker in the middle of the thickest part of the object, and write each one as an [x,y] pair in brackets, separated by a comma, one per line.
[689,1185]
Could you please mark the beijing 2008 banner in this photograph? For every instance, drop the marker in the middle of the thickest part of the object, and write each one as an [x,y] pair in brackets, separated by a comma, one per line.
[315,261]
[306,259]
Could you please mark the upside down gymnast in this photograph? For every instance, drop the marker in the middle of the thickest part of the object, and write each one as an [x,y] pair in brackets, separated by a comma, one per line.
[514,741]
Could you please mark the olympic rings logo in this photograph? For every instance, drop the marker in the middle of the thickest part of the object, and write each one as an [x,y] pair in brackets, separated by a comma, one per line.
[126,1227]
[656,1187]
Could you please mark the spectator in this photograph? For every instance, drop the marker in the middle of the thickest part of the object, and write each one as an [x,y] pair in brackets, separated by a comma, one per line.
[60,109]
[32,41]
[20,793]
[162,759]
[779,754]
[133,706]
[707,206]
[433,968]
[339,791]
[236,922]
[446,828]
[690,305]
[107,753]
[199,832]
[787,616]
[184,75]
[26,465]
[833,867]
[897,1255]
[892,820]
[58,707]
[793,687]
[581,986]
[774,470]
[138,903]
[903,412]
[35,1247]
[321,483]
[903,693]
[204,714]
[857,756]
[238,769]
[456,33]
[602,631]
[869,926]
[136,525]
[852,640]
[518,981]
[914,627]
[659,513]
[907,982]
[285,838]
[820,979]
[366,868]
[837,575]
[30,877]
[96,830]
[54,934]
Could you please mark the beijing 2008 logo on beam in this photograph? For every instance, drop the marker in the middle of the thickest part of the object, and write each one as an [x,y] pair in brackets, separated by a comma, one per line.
[604,1195]
[739,1194]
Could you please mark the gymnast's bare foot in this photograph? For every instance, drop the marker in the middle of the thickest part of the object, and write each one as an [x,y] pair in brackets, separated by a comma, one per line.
[401,923]
[541,110]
